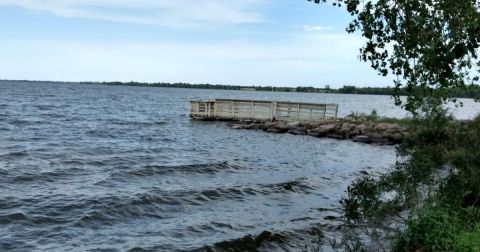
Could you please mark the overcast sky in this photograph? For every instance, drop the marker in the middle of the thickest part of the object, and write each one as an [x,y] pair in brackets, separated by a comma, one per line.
[245,42]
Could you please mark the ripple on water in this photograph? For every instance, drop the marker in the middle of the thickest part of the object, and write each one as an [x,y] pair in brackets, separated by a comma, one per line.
[90,167]
[45,107]
[12,217]
[158,170]
[12,155]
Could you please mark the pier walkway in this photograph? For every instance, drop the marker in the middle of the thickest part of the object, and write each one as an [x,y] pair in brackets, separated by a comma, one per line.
[263,111]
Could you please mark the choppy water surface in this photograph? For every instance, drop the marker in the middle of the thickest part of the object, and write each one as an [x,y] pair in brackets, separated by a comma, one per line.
[87,167]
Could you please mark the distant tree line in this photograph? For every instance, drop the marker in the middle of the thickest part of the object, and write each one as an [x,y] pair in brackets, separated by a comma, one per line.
[471,91]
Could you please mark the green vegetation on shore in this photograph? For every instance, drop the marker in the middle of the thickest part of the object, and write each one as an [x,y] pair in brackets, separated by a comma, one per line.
[435,186]
[471,91]
[430,200]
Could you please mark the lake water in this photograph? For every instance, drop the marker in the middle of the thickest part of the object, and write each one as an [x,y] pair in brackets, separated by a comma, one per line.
[107,168]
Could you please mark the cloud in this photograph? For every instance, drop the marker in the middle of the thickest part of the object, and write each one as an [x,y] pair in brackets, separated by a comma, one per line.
[168,13]
[316,28]
[301,59]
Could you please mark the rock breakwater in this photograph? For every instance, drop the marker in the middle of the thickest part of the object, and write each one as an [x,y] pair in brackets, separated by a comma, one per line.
[379,133]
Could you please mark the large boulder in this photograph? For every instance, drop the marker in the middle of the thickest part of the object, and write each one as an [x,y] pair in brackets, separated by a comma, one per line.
[379,127]
[252,126]
[309,126]
[323,130]
[292,125]
[313,132]
[395,137]
[274,129]
[353,133]
[362,139]
[349,126]
[377,138]
[336,136]
[346,129]
[393,128]
[298,131]
[374,136]
[237,126]
[265,126]
[283,126]
[362,128]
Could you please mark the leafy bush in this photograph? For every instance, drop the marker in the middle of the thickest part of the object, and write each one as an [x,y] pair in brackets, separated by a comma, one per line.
[437,179]
[468,241]
[440,228]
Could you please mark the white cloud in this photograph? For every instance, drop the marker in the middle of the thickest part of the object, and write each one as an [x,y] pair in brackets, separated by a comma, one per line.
[302,59]
[316,28]
[170,13]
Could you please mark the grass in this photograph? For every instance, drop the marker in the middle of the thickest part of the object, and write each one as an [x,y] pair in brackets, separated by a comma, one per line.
[441,228]
[359,118]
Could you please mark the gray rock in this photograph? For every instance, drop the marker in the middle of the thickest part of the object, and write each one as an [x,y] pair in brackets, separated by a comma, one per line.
[362,139]
[374,136]
[313,132]
[282,126]
[349,126]
[353,133]
[397,137]
[362,128]
[252,126]
[309,126]
[343,130]
[292,125]
[269,124]
[382,141]
[325,129]
[237,126]
[336,136]
[298,131]
[276,129]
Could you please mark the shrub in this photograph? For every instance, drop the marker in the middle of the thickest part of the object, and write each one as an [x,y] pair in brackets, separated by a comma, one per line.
[437,178]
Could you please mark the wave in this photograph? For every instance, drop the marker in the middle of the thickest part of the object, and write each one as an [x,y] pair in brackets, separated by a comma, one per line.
[154,170]
[297,185]
[88,211]
[119,176]
[162,204]
[14,154]
[135,123]
[42,177]
[46,107]
[265,241]
[20,122]
[9,218]
[105,133]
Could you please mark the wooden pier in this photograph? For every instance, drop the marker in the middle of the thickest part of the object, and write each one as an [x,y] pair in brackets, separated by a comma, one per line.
[257,110]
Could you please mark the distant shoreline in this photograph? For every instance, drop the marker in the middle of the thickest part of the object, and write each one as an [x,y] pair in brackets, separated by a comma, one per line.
[470,92]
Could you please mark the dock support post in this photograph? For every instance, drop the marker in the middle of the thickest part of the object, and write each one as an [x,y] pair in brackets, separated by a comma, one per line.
[253,110]
[274,111]
[324,112]
[215,110]
[298,112]
[233,110]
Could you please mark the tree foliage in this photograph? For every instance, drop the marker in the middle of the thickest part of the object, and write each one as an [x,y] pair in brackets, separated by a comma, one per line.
[431,46]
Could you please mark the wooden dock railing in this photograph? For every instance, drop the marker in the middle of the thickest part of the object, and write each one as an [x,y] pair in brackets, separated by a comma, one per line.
[255,110]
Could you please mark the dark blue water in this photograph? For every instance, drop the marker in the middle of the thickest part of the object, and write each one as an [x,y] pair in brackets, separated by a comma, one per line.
[107,168]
